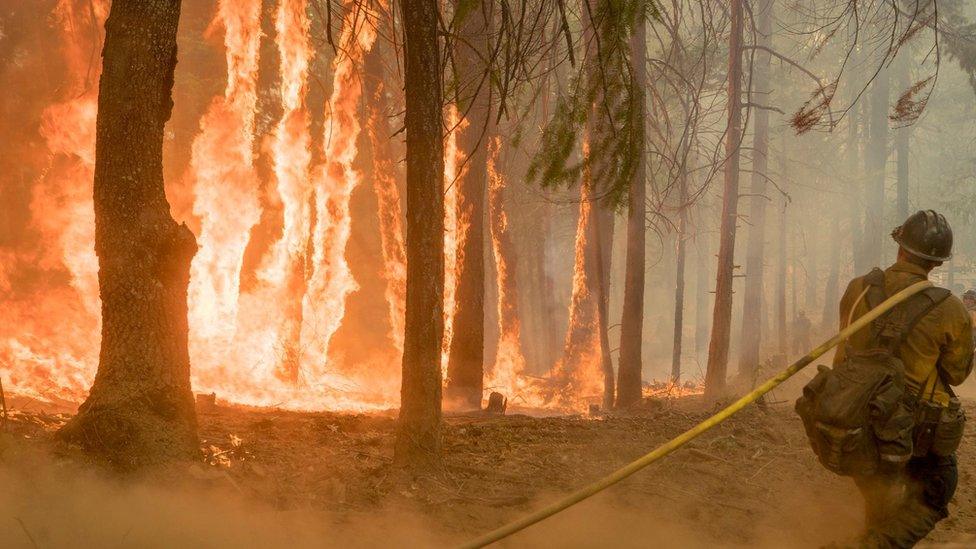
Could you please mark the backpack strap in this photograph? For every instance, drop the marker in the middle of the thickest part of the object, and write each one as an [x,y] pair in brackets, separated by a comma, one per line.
[876,288]
[916,309]
[874,295]
[895,327]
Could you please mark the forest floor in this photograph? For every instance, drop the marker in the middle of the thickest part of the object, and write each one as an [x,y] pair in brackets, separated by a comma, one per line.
[276,478]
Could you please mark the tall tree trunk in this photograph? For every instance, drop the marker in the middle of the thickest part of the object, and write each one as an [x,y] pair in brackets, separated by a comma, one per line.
[903,142]
[810,271]
[751,334]
[854,207]
[387,190]
[828,319]
[603,236]
[418,440]
[465,369]
[876,159]
[632,317]
[140,408]
[703,295]
[782,260]
[718,348]
[679,279]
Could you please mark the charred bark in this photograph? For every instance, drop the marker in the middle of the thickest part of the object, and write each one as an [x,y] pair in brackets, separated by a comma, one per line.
[465,367]
[632,318]
[418,440]
[140,408]
[718,348]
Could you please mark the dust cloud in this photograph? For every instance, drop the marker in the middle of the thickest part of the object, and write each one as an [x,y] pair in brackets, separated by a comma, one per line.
[51,502]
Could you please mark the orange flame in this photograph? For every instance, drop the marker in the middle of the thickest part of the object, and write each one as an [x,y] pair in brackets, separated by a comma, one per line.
[390,216]
[507,374]
[455,227]
[226,193]
[50,344]
[578,374]
[331,280]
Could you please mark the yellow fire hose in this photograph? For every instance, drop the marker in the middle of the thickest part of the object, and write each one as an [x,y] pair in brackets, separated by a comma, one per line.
[686,437]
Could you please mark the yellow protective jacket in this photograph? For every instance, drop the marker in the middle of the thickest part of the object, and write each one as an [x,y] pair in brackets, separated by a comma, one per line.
[944,335]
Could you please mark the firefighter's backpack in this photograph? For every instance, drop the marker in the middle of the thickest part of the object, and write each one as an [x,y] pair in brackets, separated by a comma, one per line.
[857,415]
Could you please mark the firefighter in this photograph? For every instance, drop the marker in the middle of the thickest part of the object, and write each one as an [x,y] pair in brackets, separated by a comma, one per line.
[904,503]
[801,332]
[969,300]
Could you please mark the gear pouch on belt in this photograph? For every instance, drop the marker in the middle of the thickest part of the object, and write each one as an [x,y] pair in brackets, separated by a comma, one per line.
[948,431]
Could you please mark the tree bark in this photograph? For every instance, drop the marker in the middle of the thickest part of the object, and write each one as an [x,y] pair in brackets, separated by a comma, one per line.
[418,440]
[703,296]
[679,277]
[876,160]
[903,143]
[828,319]
[751,334]
[465,368]
[718,348]
[853,203]
[387,191]
[632,318]
[140,408]
[782,260]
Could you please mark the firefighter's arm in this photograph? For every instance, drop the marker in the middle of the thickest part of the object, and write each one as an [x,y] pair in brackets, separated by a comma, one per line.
[846,304]
[957,353]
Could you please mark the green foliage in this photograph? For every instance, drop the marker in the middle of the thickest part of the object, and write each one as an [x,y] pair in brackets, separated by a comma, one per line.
[604,106]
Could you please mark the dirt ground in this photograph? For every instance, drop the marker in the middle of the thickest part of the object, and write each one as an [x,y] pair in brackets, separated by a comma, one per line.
[278,478]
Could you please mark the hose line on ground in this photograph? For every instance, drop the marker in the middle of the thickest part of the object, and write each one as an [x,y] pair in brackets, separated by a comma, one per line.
[682,439]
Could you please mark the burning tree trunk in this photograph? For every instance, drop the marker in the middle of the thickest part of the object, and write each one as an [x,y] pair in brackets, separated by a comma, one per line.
[509,359]
[387,192]
[751,335]
[418,438]
[718,348]
[632,320]
[140,409]
[465,367]
[875,160]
